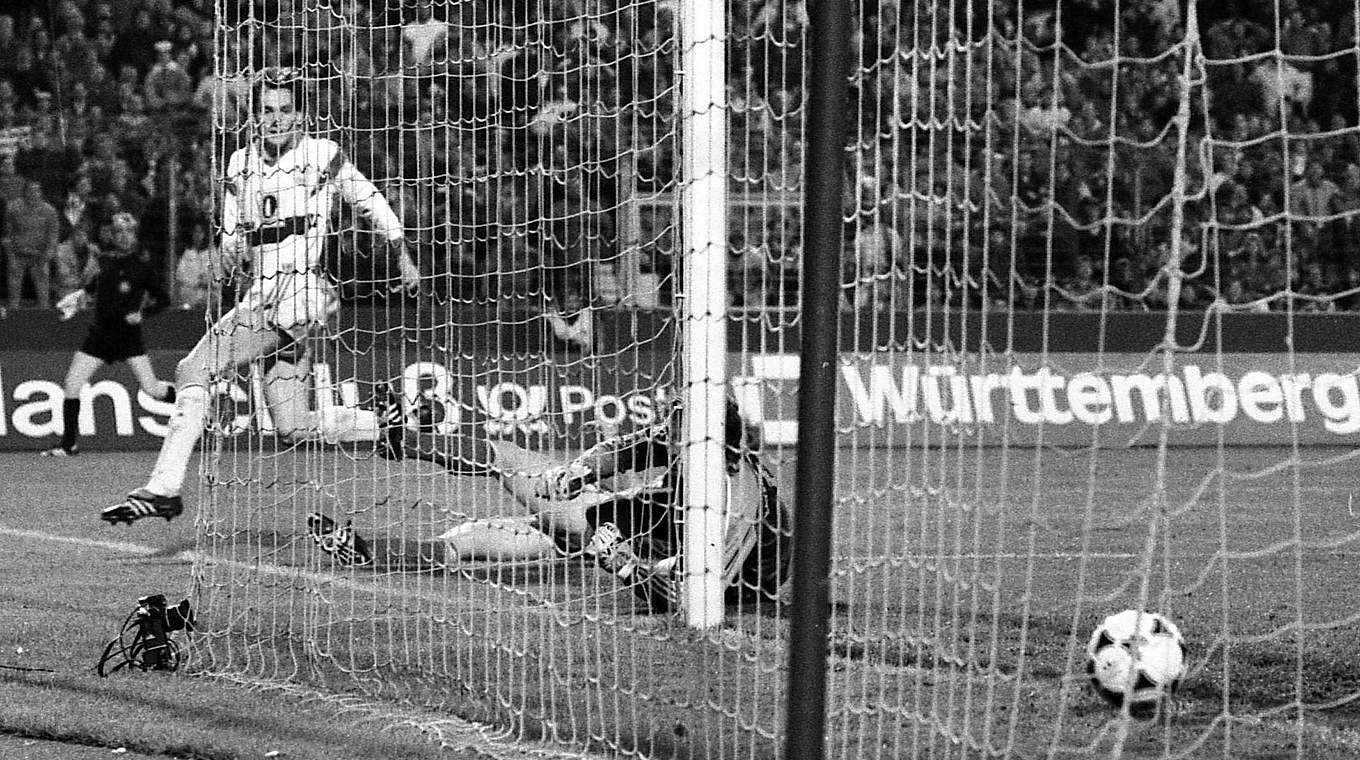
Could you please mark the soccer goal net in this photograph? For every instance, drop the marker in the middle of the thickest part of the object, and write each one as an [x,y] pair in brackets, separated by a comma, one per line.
[1091,360]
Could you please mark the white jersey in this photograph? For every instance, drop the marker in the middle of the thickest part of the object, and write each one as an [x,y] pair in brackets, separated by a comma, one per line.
[278,214]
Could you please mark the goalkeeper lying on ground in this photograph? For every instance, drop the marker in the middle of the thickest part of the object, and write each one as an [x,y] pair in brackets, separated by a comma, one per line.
[630,532]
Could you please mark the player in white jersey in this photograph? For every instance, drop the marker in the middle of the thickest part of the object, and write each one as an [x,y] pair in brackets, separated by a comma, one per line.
[275,208]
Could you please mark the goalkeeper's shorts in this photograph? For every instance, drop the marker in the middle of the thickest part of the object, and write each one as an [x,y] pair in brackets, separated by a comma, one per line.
[294,302]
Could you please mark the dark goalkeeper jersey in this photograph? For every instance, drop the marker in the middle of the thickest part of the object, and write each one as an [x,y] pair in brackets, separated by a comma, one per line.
[658,446]
[124,285]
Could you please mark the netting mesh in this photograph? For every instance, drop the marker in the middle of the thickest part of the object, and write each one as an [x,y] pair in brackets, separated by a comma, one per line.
[1054,214]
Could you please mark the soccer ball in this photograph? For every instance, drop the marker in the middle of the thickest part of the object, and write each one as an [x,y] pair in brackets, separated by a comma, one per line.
[1135,657]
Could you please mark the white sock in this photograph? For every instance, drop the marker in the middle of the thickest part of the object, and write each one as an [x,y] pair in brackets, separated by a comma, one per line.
[502,539]
[186,425]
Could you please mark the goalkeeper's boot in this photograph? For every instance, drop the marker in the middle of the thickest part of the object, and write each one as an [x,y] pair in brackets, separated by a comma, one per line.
[391,427]
[343,544]
[61,451]
[141,504]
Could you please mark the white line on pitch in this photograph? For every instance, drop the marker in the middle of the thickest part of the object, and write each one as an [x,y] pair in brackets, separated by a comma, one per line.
[121,547]
[331,580]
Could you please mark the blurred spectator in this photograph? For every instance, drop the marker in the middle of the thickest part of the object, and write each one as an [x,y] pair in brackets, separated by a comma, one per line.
[422,37]
[9,46]
[194,274]
[77,210]
[868,278]
[1350,299]
[1314,196]
[76,56]
[107,170]
[9,109]
[1084,292]
[105,37]
[31,234]
[1345,231]
[168,84]
[1125,276]
[77,261]
[135,43]
[48,162]
[81,117]
[1280,80]
[11,182]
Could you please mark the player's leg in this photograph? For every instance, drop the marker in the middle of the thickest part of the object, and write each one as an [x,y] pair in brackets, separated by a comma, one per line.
[14,277]
[758,544]
[288,392]
[501,539]
[83,366]
[42,282]
[552,529]
[301,305]
[239,336]
[146,377]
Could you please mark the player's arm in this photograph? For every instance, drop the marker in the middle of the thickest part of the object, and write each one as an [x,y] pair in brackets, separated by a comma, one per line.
[370,205]
[634,452]
[233,245]
[459,454]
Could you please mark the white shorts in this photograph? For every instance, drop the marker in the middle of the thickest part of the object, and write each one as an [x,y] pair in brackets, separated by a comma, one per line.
[295,302]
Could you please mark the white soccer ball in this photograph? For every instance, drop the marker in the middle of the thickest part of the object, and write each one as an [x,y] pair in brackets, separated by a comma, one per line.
[1135,657]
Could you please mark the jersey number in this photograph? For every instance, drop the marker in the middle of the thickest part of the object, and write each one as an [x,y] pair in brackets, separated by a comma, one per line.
[269,206]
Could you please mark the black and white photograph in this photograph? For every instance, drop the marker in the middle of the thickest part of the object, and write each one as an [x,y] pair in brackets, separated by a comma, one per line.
[680,379]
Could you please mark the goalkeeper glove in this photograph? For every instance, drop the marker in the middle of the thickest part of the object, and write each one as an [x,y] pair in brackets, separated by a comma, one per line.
[563,483]
[71,303]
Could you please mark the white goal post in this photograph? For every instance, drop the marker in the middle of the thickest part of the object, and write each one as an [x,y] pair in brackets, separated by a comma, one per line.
[703,314]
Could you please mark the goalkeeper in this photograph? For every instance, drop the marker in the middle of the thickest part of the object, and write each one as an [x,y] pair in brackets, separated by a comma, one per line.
[632,533]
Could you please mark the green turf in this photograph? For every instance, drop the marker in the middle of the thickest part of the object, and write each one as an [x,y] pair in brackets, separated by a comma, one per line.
[957,627]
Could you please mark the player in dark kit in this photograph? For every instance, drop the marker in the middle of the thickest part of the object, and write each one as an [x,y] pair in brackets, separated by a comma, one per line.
[632,533]
[124,291]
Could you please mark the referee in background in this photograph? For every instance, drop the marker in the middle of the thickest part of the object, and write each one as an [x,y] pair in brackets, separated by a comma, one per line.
[125,290]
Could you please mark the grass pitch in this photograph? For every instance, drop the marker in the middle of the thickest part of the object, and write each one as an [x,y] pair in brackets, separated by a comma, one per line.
[70,580]
[966,583]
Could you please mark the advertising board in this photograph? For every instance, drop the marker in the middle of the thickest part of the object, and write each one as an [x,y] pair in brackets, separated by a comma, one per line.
[1063,393]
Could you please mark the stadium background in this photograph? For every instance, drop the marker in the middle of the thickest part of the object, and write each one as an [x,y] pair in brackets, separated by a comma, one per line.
[85,93]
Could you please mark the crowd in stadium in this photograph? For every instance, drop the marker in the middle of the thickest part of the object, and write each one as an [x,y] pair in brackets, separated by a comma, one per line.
[982,177]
